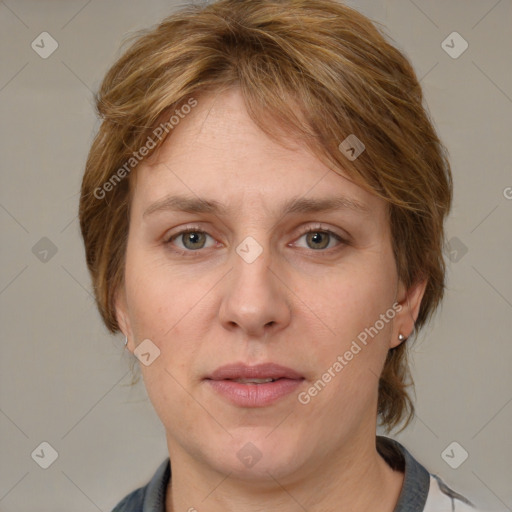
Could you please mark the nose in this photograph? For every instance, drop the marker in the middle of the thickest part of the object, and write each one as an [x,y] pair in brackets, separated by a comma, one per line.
[255,298]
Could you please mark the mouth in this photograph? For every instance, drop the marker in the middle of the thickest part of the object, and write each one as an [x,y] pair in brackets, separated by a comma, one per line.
[254,386]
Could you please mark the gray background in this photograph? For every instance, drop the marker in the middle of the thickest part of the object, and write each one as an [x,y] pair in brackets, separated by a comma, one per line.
[65,381]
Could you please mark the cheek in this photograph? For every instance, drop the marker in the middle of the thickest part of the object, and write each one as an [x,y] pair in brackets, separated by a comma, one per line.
[169,309]
[351,299]
[161,308]
[157,298]
[348,363]
[350,355]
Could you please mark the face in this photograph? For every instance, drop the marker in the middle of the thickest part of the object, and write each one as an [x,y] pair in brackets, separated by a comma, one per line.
[247,260]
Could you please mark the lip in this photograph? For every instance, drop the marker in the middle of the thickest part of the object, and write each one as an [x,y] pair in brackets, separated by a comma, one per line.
[222,381]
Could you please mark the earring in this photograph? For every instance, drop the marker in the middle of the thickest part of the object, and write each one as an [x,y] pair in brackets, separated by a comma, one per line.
[401,337]
[125,341]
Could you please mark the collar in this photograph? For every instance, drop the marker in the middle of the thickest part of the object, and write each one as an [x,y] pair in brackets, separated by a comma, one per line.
[416,478]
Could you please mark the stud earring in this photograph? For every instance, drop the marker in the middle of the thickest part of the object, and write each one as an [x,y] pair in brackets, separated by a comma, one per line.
[401,337]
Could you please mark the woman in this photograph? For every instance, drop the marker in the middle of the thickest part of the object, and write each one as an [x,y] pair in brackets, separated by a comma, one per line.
[262,211]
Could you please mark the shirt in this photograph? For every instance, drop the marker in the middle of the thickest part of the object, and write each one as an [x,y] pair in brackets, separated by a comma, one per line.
[421,491]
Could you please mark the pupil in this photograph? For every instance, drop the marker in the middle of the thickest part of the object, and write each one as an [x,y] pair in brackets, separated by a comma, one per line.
[317,239]
[193,238]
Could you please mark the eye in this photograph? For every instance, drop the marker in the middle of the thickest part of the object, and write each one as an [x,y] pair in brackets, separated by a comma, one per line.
[192,239]
[320,239]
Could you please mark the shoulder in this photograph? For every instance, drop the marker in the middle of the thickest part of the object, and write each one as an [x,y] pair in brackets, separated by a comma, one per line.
[442,498]
[133,502]
[151,497]
[421,490]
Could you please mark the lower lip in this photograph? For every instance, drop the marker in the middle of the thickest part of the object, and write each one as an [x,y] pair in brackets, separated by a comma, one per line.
[255,395]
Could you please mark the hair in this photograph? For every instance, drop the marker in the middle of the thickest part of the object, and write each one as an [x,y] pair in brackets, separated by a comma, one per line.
[316,70]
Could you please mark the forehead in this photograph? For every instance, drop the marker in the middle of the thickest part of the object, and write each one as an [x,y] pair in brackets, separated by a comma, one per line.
[218,151]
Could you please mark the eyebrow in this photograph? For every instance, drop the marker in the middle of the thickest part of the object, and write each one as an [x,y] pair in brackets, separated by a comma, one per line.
[293,205]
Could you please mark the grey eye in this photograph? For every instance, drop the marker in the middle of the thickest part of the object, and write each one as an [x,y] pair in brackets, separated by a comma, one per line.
[193,239]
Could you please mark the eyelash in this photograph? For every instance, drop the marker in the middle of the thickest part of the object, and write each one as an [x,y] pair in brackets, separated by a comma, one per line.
[303,231]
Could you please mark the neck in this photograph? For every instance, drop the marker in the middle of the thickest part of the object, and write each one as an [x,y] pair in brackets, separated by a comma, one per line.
[356,479]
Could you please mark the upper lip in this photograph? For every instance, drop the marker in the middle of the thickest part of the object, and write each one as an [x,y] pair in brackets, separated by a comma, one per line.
[259,371]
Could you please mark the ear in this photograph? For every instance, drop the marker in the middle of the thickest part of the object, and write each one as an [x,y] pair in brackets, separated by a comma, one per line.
[122,316]
[409,302]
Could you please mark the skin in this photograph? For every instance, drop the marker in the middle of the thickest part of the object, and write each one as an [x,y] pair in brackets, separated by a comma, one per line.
[300,304]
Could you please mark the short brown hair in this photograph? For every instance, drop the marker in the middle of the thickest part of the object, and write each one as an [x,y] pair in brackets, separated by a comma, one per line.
[317,68]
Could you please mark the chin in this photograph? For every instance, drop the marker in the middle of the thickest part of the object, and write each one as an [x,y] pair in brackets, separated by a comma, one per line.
[257,456]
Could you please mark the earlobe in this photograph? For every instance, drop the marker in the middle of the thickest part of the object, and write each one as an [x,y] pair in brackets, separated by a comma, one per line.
[122,318]
[410,302]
